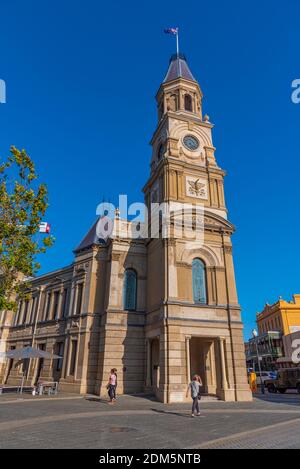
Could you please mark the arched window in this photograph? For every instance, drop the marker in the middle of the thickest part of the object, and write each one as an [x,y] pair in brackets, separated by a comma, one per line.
[188,104]
[172,103]
[129,290]
[199,281]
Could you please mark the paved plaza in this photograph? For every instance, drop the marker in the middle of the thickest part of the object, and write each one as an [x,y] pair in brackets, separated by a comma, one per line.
[70,421]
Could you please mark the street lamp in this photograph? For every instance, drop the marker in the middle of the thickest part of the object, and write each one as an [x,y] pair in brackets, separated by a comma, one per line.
[255,334]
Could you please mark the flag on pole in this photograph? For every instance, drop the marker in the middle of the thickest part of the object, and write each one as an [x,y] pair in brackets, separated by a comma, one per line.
[44,227]
[174,32]
[171,31]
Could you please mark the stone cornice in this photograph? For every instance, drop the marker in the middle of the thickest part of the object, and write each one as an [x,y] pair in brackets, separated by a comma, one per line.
[55,273]
[204,306]
[177,82]
[125,311]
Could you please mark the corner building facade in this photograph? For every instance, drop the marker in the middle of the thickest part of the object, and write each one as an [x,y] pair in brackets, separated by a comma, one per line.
[159,310]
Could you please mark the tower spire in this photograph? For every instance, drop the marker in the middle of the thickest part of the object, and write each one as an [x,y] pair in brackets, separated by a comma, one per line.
[178,68]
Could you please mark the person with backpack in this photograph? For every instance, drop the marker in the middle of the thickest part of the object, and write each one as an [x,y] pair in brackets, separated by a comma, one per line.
[194,388]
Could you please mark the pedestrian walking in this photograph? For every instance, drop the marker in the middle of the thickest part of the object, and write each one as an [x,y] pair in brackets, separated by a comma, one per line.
[194,388]
[112,385]
[253,381]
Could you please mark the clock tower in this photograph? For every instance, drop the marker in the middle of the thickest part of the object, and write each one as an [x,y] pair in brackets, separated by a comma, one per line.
[182,148]
[193,323]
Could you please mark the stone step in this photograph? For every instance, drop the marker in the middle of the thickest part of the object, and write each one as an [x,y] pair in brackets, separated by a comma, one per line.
[209,397]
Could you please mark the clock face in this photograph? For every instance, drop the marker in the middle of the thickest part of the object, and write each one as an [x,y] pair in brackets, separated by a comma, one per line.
[190,142]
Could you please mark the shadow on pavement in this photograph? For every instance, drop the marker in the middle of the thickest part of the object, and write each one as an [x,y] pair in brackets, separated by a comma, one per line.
[96,399]
[167,412]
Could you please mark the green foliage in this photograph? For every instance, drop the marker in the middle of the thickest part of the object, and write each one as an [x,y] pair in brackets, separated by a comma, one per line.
[23,204]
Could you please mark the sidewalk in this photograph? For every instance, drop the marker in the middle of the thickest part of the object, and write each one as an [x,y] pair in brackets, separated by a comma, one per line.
[14,397]
[72,421]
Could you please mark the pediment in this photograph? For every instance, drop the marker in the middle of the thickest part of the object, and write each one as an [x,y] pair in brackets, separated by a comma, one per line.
[215,222]
[211,220]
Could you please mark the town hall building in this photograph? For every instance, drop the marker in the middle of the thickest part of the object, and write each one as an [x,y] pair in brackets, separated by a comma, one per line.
[158,309]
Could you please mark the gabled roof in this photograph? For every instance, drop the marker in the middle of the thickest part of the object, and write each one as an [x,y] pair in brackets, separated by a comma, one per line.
[90,239]
[178,68]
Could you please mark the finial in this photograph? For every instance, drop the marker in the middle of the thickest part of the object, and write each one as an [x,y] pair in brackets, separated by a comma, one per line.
[117,213]
[206,118]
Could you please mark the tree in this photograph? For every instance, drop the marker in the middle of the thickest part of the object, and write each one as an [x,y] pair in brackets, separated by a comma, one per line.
[23,203]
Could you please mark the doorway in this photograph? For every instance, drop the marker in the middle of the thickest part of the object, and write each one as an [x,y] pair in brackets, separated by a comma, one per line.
[203,362]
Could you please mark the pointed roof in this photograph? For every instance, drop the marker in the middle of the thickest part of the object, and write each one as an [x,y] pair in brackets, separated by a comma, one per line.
[178,68]
[90,239]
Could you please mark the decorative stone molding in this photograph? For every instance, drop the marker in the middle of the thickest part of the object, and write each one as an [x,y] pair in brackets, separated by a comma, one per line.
[55,280]
[210,155]
[205,253]
[81,268]
[214,222]
[115,256]
[172,242]
[172,146]
[181,129]
[186,265]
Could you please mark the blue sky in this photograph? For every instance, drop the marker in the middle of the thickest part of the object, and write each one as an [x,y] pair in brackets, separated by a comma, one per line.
[81,79]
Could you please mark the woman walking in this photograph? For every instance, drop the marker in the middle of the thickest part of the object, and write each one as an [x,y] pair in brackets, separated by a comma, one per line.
[112,385]
[194,386]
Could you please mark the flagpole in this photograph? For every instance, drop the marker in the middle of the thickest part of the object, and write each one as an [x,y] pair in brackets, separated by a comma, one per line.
[177,50]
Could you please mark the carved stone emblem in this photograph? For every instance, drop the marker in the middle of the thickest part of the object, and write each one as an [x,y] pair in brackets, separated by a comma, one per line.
[196,187]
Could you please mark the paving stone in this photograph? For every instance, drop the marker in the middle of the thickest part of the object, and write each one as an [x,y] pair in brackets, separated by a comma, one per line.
[138,422]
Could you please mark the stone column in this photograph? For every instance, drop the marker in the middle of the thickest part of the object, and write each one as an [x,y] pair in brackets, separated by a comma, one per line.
[179,100]
[207,359]
[172,278]
[115,286]
[220,193]
[188,358]
[148,362]
[65,358]
[158,377]
[59,305]
[72,301]
[223,366]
